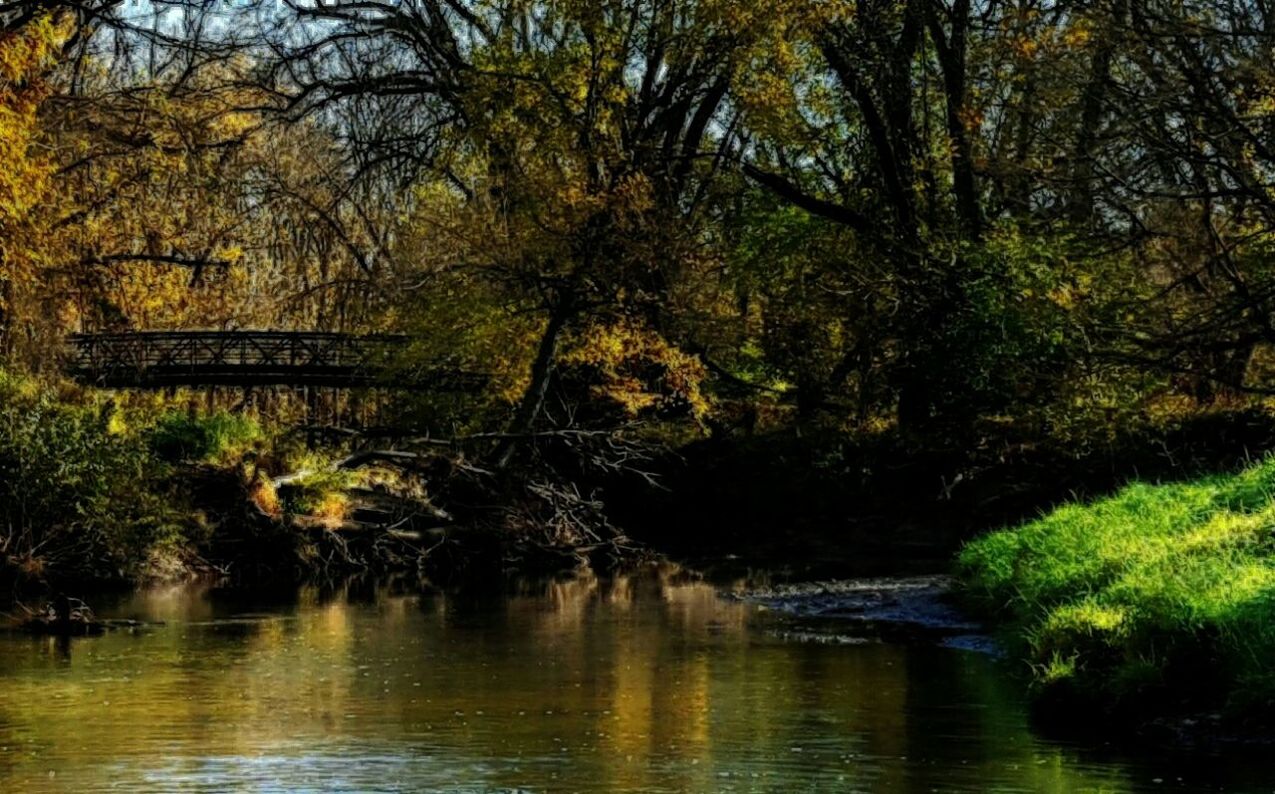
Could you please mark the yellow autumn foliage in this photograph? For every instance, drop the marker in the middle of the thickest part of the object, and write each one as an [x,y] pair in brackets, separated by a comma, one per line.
[26,244]
[638,369]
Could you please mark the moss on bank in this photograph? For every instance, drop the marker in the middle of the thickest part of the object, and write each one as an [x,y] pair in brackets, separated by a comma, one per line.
[1157,600]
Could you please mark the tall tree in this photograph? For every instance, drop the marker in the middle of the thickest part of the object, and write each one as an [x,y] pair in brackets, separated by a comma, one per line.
[584,138]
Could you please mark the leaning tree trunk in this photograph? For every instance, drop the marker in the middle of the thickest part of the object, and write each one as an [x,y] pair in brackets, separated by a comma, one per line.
[533,398]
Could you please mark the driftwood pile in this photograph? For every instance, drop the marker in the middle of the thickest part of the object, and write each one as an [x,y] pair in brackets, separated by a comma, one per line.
[457,514]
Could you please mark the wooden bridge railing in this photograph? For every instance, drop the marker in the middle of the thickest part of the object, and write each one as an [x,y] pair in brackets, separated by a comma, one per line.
[158,359]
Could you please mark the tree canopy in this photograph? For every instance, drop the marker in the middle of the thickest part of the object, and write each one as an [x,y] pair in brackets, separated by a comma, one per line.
[931,216]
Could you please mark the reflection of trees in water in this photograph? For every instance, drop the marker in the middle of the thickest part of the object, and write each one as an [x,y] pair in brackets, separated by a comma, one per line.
[647,679]
[8,749]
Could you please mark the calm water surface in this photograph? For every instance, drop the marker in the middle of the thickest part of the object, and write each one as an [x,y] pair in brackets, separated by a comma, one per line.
[645,683]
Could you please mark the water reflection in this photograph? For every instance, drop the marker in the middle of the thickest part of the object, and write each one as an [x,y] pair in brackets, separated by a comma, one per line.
[646,682]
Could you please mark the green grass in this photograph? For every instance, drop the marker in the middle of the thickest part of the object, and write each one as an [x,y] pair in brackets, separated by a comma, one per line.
[179,436]
[1160,595]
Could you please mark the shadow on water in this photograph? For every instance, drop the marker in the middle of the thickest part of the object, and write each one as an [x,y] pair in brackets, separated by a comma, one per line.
[650,681]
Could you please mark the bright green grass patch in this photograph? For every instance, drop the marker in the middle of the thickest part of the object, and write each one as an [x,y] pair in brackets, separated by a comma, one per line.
[1157,590]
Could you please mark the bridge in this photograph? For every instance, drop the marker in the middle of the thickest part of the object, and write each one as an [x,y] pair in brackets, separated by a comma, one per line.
[164,359]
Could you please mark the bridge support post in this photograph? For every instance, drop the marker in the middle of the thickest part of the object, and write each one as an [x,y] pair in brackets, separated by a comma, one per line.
[354,409]
[311,415]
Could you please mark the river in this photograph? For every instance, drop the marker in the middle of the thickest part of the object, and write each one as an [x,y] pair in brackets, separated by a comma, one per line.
[651,682]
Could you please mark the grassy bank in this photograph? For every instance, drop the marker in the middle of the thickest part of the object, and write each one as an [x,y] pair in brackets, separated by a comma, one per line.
[1157,600]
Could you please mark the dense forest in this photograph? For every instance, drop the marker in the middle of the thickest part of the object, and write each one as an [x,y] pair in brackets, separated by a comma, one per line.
[917,218]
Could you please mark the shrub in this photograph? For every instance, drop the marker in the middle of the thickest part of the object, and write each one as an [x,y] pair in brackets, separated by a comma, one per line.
[75,498]
[321,493]
[179,436]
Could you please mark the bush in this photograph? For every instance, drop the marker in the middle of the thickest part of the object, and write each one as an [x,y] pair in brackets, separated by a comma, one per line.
[179,436]
[75,497]
[1157,589]
[321,493]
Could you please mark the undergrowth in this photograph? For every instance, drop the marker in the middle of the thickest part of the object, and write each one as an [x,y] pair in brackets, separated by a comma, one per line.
[214,438]
[78,495]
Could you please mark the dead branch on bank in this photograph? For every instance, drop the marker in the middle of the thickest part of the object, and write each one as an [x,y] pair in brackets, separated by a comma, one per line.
[540,511]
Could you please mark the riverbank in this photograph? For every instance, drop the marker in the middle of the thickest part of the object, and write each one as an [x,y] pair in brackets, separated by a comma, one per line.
[96,491]
[100,487]
[1151,606]
[832,504]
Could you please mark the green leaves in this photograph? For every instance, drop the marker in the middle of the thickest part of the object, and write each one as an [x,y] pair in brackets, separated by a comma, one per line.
[75,497]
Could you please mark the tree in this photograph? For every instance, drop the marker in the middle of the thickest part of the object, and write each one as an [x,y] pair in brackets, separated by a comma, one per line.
[28,51]
[578,142]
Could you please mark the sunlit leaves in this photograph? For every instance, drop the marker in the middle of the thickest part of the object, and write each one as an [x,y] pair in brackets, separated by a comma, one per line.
[638,370]
[26,56]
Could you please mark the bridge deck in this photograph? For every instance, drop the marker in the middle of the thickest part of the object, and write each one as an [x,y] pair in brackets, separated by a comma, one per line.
[159,359]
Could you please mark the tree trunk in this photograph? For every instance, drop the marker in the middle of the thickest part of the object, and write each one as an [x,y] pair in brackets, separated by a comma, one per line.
[533,398]
[1232,370]
[951,50]
[915,403]
[1092,106]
